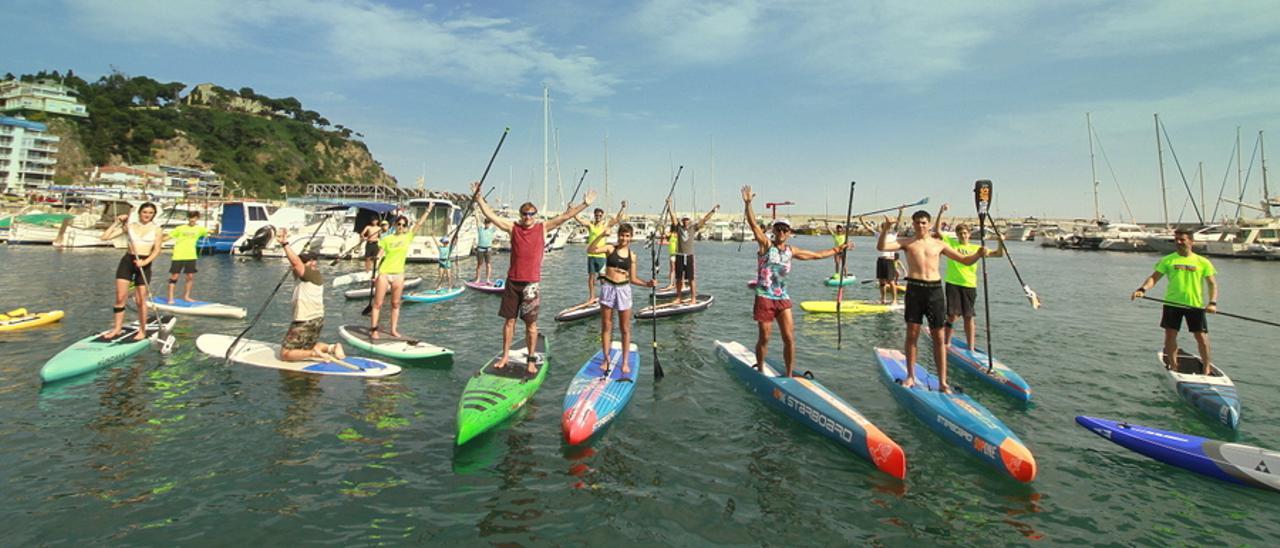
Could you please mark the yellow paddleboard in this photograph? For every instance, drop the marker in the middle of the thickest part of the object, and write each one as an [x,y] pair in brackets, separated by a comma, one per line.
[848,307]
[15,323]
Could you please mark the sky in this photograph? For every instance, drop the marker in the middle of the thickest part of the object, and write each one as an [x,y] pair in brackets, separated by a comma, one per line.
[796,98]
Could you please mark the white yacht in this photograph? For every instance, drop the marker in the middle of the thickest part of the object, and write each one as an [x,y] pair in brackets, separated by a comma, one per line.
[1256,238]
[440,224]
[720,231]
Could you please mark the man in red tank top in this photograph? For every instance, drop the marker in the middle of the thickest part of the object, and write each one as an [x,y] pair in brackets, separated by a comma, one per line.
[528,243]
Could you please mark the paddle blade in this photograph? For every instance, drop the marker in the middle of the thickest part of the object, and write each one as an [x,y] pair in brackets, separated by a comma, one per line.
[657,363]
[982,197]
[368,309]
[1032,296]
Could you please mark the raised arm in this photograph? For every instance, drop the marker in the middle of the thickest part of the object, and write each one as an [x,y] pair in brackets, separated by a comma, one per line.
[881,243]
[569,213]
[747,196]
[502,224]
[671,212]
[707,217]
[937,223]
[299,268]
[422,218]
[617,218]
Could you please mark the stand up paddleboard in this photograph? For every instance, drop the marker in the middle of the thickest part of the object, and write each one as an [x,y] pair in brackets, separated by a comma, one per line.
[495,287]
[366,291]
[1231,462]
[957,418]
[96,352]
[810,403]
[668,292]
[197,308]
[261,354]
[492,395]
[578,312]
[19,319]
[387,346]
[362,276]
[1213,394]
[836,281]
[595,398]
[434,295]
[976,362]
[849,307]
[673,309]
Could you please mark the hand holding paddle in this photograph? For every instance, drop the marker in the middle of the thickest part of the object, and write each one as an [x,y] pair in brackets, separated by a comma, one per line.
[1212,309]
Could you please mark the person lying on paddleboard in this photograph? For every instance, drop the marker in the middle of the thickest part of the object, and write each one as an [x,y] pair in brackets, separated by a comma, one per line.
[484,241]
[773,263]
[145,240]
[615,289]
[528,245]
[302,341]
[183,260]
[371,233]
[595,261]
[393,250]
[686,231]
[1187,272]
[962,280]
[444,278]
[925,296]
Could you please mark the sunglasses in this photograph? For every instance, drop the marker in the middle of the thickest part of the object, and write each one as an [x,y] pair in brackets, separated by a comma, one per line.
[781,228]
[529,213]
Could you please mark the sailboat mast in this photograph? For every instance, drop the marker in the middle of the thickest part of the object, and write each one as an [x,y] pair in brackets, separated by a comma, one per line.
[1202,202]
[546,124]
[607,199]
[1266,191]
[1093,170]
[713,169]
[1160,158]
[559,178]
[1239,168]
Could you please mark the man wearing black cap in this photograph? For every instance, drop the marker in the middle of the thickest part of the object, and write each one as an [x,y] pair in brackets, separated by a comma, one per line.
[685,234]
[302,342]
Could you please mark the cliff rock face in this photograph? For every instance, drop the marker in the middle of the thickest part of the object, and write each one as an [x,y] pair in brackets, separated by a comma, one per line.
[73,161]
[178,151]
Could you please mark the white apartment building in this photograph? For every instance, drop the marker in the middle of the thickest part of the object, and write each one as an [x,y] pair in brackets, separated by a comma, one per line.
[27,155]
[43,96]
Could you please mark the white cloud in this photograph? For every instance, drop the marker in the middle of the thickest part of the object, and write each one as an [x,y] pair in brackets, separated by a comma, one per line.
[700,32]
[364,40]
[1165,26]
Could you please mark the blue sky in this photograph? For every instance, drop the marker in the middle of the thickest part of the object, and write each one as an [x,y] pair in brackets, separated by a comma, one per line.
[910,99]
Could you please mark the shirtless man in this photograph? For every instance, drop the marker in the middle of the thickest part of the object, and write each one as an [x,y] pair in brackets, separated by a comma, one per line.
[924,289]
[370,235]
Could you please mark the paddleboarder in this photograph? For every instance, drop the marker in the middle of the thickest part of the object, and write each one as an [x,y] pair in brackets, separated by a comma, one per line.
[838,238]
[484,242]
[887,263]
[393,251]
[686,231]
[370,236]
[445,274]
[528,245]
[925,296]
[615,290]
[302,341]
[672,248]
[962,280]
[772,302]
[145,240]
[1188,272]
[184,256]
[595,261]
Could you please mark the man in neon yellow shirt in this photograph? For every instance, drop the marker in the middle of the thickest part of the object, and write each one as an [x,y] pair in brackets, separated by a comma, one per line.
[1187,274]
[962,281]
[595,261]
[184,256]
[393,251]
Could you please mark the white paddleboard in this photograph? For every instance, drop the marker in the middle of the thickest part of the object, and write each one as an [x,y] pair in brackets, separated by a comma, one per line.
[198,308]
[354,277]
[366,292]
[261,354]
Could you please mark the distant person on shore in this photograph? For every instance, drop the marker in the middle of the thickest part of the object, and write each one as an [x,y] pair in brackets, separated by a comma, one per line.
[371,233]
[145,240]
[302,341]
[773,263]
[595,261]
[615,289]
[484,245]
[520,298]
[887,263]
[925,296]
[962,280]
[184,256]
[685,232]
[1187,272]
[393,251]
[444,278]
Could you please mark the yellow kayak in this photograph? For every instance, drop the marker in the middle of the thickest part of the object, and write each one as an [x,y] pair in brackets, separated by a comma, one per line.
[848,307]
[15,320]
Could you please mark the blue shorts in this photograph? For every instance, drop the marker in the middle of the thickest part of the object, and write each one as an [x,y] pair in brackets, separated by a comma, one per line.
[595,265]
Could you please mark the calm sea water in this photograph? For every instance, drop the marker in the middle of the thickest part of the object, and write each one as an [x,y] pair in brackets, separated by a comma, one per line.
[184,449]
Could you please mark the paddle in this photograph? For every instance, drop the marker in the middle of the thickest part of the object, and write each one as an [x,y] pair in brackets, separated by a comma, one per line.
[227,357]
[471,206]
[556,233]
[373,280]
[1031,294]
[844,254]
[920,202]
[1220,313]
[653,259]
[334,359]
[346,254]
[982,199]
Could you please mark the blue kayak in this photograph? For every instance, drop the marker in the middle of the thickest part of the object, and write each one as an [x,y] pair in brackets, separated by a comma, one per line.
[594,399]
[977,362]
[433,296]
[957,418]
[810,403]
[1230,462]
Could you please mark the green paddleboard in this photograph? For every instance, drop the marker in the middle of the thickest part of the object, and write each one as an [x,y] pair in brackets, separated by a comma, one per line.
[492,395]
[96,352]
[387,346]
